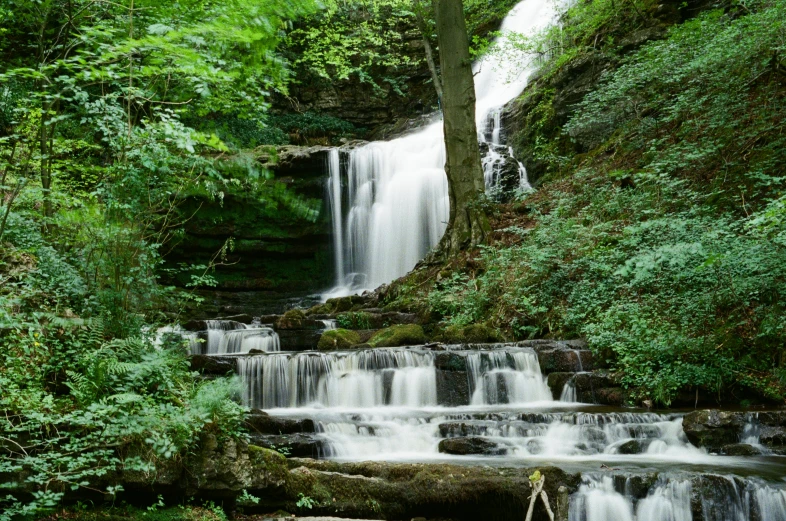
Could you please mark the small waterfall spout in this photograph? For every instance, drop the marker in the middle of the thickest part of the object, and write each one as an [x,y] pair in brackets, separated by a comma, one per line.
[506,377]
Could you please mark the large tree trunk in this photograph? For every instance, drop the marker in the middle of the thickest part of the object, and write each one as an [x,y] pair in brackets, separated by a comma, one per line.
[468,224]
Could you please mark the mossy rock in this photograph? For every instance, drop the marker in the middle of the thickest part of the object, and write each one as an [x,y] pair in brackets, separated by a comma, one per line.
[400,335]
[471,334]
[296,319]
[335,339]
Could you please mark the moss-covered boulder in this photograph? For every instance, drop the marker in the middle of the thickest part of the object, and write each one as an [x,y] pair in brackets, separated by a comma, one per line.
[471,334]
[400,335]
[296,319]
[335,339]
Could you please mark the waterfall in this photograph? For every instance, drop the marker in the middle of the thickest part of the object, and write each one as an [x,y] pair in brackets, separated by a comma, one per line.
[569,391]
[721,498]
[229,337]
[396,191]
[506,377]
[363,379]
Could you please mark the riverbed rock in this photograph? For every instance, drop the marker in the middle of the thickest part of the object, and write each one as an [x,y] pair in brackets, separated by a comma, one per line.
[565,360]
[469,446]
[740,449]
[291,445]
[335,339]
[213,365]
[452,388]
[634,447]
[297,319]
[713,429]
[260,422]
[399,335]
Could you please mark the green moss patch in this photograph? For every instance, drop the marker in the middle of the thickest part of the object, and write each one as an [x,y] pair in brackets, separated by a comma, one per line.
[338,339]
[401,335]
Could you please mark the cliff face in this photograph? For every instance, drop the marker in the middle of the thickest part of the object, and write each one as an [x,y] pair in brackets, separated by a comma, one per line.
[278,247]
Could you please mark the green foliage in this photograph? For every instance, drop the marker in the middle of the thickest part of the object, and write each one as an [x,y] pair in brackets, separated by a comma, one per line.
[130,405]
[362,39]
[309,124]
[305,501]
[354,320]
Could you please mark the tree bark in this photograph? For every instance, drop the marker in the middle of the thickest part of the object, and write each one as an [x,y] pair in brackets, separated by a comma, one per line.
[424,32]
[468,224]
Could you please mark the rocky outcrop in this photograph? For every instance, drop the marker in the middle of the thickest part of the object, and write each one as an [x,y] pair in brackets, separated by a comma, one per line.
[723,430]
[260,422]
[406,491]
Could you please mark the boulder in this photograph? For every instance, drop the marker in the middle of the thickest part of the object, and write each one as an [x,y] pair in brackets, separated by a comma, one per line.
[740,449]
[335,339]
[557,381]
[562,360]
[297,319]
[225,469]
[472,334]
[400,335]
[468,446]
[634,447]
[299,339]
[713,429]
[374,319]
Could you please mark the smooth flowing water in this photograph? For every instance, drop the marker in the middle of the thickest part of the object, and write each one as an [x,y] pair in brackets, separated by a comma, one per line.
[389,204]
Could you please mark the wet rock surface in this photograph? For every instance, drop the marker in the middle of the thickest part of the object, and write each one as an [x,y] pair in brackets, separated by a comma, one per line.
[213,365]
[713,429]
[471,445]
[260,422]
[452,388]
[291,445]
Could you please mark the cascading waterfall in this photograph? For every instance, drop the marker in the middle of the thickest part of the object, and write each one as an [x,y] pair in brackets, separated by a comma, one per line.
[506,377]
[396,191]
[368,378]
[229,337]
[721,498]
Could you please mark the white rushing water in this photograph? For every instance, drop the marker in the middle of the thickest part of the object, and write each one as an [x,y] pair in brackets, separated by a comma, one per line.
[229,337]
[678,498]
[392,206]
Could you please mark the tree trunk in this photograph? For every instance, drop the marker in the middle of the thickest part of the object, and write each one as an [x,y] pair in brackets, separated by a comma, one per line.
[468,224]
